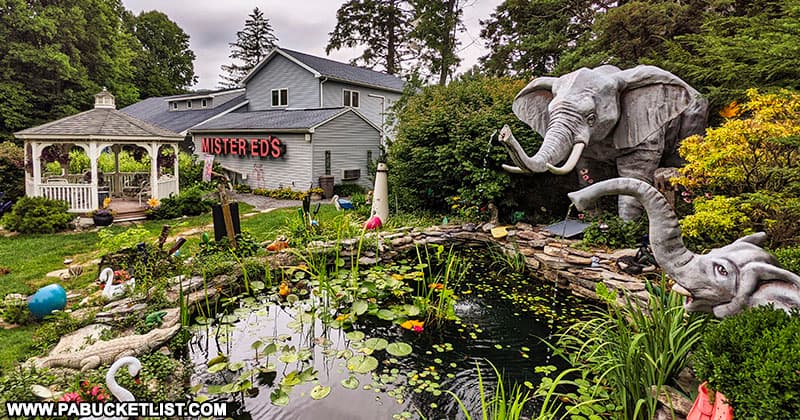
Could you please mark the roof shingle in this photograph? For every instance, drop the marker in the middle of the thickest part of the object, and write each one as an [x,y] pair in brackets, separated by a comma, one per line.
[98,122]
[156,111]
[285,119]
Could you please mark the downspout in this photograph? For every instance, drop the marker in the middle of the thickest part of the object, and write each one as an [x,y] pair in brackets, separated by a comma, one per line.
[322,81]
[383,115]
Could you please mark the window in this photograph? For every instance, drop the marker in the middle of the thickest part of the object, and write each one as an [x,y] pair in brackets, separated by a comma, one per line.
[203,103]
[175,106]
[280,97]
[189,104]
[369,158]
[327,162]
[350,98]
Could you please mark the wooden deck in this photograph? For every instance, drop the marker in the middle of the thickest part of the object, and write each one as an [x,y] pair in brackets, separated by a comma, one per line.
[127,210]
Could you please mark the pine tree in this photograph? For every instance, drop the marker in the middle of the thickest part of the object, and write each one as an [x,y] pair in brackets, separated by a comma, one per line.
[437,24]
[252,45]
[382,26]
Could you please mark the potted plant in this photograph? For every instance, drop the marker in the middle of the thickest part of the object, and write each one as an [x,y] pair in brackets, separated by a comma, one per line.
[103,216]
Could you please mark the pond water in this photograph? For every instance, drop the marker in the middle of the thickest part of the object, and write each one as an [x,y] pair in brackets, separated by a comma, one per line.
[289,364]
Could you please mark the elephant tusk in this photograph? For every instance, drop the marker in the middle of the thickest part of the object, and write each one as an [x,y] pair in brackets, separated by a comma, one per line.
[515,169]
[571,161]
[677,288]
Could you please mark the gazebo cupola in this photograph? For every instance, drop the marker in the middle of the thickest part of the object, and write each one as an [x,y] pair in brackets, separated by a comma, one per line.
[99,129]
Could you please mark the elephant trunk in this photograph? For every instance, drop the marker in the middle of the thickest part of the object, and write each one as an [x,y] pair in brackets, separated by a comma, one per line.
[665,233]
[561,142]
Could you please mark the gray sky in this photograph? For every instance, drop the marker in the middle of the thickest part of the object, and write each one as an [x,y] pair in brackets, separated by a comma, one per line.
[301,25]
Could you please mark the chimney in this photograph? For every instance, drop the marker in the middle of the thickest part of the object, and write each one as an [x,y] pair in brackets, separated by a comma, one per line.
[104,99]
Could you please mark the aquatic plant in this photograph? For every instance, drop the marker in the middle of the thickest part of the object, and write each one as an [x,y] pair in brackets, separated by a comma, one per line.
[624,351]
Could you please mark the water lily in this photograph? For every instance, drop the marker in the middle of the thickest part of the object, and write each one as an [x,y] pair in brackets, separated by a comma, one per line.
[343,317]
[284,289]
[436,286]
[413,325]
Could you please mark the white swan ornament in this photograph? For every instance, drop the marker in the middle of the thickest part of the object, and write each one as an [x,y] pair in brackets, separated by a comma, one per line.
[113,291]
[120,393]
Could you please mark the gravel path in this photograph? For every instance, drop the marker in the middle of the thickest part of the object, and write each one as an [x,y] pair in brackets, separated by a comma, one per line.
[261,202]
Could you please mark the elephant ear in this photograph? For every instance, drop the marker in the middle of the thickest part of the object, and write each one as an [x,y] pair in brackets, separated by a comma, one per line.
[531,103]
[649,100]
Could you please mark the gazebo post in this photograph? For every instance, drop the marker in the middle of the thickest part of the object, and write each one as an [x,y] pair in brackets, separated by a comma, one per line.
[175,170]
[153,150]
[93,156]
[117,178]
[36,151]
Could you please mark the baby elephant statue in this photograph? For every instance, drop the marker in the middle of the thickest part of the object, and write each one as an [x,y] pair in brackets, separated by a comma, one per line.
[726,280]
[605,117]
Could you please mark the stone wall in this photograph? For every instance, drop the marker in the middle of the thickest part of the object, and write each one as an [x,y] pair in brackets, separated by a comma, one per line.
[551,258]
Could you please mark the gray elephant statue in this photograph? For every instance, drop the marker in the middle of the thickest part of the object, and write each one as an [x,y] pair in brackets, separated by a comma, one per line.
[726,280]
[629,119]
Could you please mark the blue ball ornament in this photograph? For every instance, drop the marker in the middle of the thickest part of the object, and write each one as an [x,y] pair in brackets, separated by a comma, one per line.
[46,300]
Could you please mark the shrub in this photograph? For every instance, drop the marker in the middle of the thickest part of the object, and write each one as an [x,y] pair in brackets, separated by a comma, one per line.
[286,193]
[12,171]
[347,190]
[442,147]
[789,258]
[716,222]
[38,215]
[111,242]
[753,358]
[191,201]
[611,231]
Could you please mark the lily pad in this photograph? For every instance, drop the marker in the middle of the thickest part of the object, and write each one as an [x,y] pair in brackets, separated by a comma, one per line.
[376,344]
[319,392]
[386,314]
[350,383]
[279,397]
[355,336]
[362,364]
[360,306]
[217,367]
[399,349]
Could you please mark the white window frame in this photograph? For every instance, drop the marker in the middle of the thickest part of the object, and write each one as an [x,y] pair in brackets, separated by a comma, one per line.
[347,96]
[272,98]
[189,104]
[204,103]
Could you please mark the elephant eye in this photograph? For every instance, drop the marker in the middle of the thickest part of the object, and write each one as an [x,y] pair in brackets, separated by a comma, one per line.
[590,119]
[721,270]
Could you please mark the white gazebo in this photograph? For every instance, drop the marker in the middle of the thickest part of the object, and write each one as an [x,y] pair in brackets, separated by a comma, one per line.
[96,130]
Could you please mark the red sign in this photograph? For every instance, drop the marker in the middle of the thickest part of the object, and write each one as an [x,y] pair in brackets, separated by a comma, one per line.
[269,147]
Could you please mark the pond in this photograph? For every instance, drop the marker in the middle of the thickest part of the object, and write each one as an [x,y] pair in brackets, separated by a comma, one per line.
[280,360]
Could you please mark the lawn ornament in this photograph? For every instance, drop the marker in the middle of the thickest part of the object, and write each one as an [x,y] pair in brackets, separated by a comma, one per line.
[632,119]
[373,223]
[120,393]
[113,291]
[46,300]
[280,243]
[341,203]
[724,281]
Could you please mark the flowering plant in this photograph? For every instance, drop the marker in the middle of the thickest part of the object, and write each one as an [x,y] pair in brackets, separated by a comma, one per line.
[87,392]
[153,203]
[104,210]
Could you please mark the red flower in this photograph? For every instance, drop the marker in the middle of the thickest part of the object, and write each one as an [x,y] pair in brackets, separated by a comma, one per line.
[70,397]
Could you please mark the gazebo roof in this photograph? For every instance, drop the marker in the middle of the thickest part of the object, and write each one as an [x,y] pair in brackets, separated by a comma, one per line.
[103,122]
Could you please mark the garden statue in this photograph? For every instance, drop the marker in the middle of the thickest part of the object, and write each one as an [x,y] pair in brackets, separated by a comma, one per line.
[726,280]
[121,394]
[631,119]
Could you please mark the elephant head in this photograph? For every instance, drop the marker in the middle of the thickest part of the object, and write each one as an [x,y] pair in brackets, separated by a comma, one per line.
[723,281]
[621,107]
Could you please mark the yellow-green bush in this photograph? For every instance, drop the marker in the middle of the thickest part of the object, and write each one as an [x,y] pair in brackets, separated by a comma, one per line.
[716,222]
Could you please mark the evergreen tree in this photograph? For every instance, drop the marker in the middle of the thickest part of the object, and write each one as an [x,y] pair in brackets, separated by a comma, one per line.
[437,24]
[382,26]
[252,45]
[164,63]
[528,37]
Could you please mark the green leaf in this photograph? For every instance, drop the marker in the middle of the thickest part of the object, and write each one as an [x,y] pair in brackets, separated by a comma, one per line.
[386,314]
[350,383]
[376,344]
[279,397]
[319,392]
[360,307]
[362,364]
[399,349]
[217,367]
[355,336]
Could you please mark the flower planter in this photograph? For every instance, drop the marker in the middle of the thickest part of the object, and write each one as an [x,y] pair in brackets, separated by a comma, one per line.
[102,219]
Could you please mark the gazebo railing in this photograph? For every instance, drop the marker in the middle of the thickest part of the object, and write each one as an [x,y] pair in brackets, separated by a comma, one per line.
[167,185]
[78,196]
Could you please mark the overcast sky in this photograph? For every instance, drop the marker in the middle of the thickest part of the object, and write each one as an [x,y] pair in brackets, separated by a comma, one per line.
[299,25]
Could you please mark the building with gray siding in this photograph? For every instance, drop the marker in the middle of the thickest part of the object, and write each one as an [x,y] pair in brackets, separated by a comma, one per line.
[296,117]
